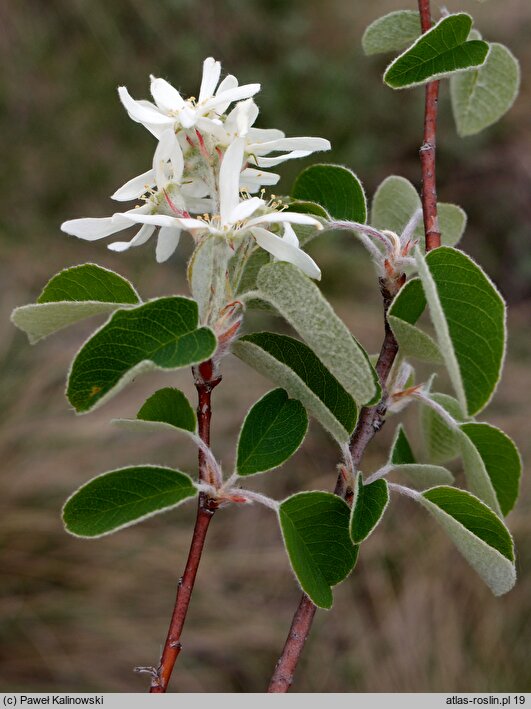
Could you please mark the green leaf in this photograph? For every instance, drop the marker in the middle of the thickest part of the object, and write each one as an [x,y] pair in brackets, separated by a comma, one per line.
[300,302]
[369,506]
[123,497]
[169,406]
[292,365]
[441,51]
[403,462]
[207,276]
[404,312]
[73,295]
[392,32]
[334,187]
[272,432]
[478,533]
[469,318]
[401,453]
[491,453]
[441,443]
[481,97]
[396,200]
[305,207]
[315,527]
[161,334]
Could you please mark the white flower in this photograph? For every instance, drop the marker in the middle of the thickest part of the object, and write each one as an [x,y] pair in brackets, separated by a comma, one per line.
[170,197]
[171,110]
[259,142]
[235,218]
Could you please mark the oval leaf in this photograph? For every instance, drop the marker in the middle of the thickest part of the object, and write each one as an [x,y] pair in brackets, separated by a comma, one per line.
[497,457]
[300,302]
[441,51]
[480,98]
[161,334]
[292,365]
[478,533]
[392,32]
[368,508]
[469,318]
[401,453]
[441,443]
[169,406]
[123,497]
[273,430]
[315,527]
[334,187]
[74,294]
[404,312]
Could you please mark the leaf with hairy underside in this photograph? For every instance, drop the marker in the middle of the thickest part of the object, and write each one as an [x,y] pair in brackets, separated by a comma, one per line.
[334,187]
[404,312]
[161,334]
[301,303]
[207,276]
[468,314]
[123,497]
[440,442]
[247,279]
[72,295]
[369,505]
[478,533]
[442,51]
[492,465]
[481,97]
[392,32]
[396,201]
[403,462]
[315,527]
[292,365]
[272,432]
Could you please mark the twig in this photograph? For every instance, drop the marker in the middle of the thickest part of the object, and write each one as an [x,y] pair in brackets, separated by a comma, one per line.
[372,418]
[204,383]
[428,148]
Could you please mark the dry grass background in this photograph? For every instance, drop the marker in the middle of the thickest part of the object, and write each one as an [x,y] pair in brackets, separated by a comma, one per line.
[77,616]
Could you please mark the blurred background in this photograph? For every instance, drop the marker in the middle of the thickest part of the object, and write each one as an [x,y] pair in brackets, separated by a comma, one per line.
[79,615]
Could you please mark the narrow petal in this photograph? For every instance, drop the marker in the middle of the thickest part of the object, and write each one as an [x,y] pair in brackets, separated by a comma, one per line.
[92,229]
[229,179]
[135,188]
[168,149]
[214,127]
[290,237]
[142,112]
[166,243]
[241,118]
[166,220]
[138,239]
[251,178]
[229,82]
[272,162]
[166,96]
[310,144]
[262,135]
[211,74]
[227,97]
[292,217]
[284,251]
[245,209]
[188,116]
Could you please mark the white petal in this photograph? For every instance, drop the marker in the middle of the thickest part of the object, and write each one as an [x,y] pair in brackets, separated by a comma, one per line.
[310,144]
[188,116]
[166,96]
[92,229]
[143,112]
[256,178]
[229,179]
[168,149]
[292,217]
[214,127]
[166,220]
[138,239]
[245,209]
[284,251]
[290,237]
[271,162]
[227,97]
[166,243]
[229,82]
[135,188]
[241,118]
[211,74]
[261,135]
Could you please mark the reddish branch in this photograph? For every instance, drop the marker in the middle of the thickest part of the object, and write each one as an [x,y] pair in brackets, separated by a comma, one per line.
[428,148]
[205,383]
[372,418]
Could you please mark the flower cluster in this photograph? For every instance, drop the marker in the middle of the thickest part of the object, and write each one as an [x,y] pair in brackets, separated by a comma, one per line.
[208,162]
